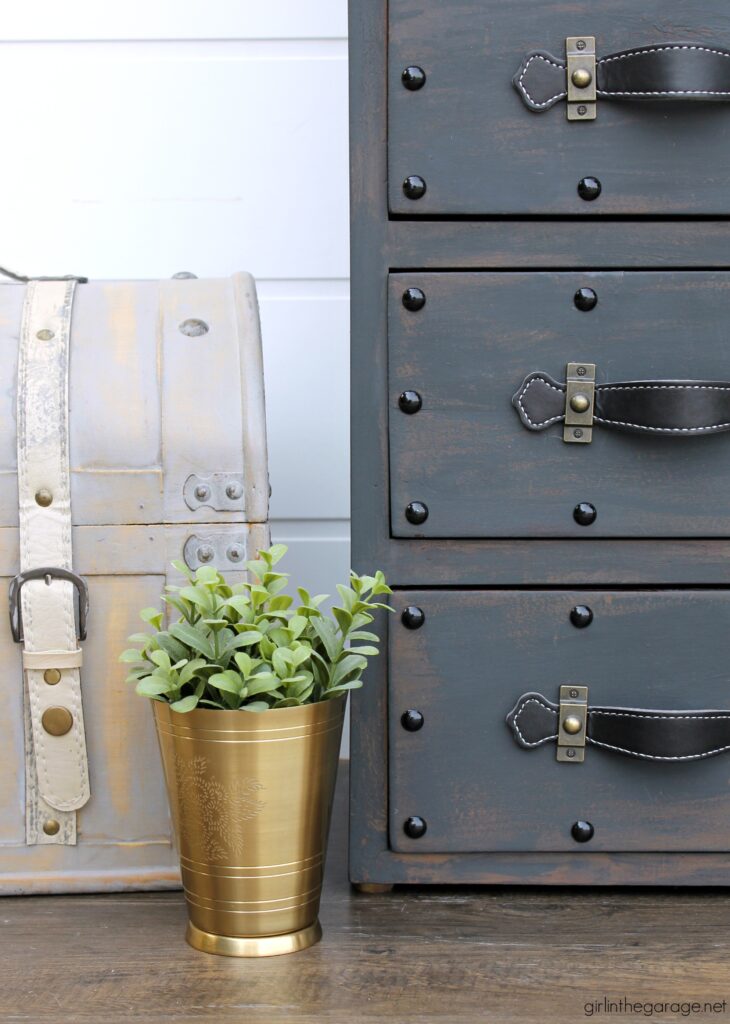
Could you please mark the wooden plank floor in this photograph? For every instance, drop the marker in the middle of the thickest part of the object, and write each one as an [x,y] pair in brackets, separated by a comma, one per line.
[446,955]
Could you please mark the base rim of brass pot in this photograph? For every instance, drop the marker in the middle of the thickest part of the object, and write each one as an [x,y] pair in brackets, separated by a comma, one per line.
[265,945]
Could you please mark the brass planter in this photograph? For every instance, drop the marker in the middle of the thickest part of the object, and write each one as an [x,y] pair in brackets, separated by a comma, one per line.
[251,796]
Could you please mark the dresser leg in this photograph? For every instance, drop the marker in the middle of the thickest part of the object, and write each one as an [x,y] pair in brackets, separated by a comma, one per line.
[372,887]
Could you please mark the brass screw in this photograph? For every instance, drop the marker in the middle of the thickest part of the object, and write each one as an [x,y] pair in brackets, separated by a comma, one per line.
[51,827]
[581,78]
[580,403]
[578,432]
[581,371]
[52,676]
[582,110]
[581,44]
[570,753]
[43,497]
[572,725]
[573,693]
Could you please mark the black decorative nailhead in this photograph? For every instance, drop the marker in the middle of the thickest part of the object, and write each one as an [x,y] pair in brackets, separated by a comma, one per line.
[414,299]
[413,617]
[416,512]
[582,831]
[581,616]
[414,827]
[410,402]
[589,189]
[584,513]
[585,299]
[413,77]
[414,186]
[411,720]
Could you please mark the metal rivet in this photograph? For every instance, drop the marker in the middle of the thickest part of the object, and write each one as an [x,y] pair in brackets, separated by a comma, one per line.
[234,553]
[45,334]
[581,371]
[202,492]
[57,721]
[573,693]
[572,725]
[184,275]
[570,753]
[580,402]
[589,188]
[409,402]
[413,299]
[577,432]
[414,187]
[43,497]
[582,831]
[413,78]
[581,78]
[585,299]
[582,110]
[414,827]
[193,328]
[412,617]
[411,720]
[581,616]
[416,512]
[584,513]
[234,490]
[52,676]
[580,44]
[51,827]
[205,553]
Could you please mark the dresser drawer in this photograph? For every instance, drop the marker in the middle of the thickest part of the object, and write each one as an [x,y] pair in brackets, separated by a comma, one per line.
[477,652]
[659,144]
[463,451]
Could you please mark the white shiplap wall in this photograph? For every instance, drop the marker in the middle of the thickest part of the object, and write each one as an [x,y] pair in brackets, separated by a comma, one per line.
[144,138]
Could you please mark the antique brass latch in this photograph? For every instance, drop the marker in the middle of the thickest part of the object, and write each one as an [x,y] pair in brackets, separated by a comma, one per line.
[572,723]
[580,388]
[580,59]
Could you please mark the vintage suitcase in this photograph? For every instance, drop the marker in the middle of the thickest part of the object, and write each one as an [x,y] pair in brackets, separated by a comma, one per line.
[540,309]
[135,434]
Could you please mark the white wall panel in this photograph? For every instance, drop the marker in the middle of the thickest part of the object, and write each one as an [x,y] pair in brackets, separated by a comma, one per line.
[138,160]
[174,19]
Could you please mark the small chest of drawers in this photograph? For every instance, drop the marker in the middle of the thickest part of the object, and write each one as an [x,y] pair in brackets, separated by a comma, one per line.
[540,440]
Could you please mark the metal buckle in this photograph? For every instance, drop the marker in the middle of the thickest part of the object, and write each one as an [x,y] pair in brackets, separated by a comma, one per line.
[572,717]
[47,574]
[580,61]
[580,390]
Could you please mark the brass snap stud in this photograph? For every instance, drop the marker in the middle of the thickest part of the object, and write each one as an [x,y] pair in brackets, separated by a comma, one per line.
[572,725]
[580,402]
[52,676]
[51,827]
[581,78]
[57,721]
[45,334]
[43,497]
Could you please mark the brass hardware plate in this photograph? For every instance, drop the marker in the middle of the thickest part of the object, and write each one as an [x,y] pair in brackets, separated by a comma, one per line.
[580,56]
[580,385]
[572,724]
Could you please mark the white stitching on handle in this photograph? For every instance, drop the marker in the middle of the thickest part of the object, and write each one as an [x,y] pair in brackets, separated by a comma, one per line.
[657,757]
[545,739]
[523,88]
[521,394]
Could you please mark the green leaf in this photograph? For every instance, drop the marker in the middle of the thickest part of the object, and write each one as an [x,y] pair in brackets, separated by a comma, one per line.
[161,659]
[186,704]
[172,646]
[327,633]
[276,552]
[188,673]
[350,663]
[344,619]
[200,597]
[207,574]
[192,637]
[246,639]
[152,616]
[228,682]
[334,691]
[282,662]
[183,569]
[361,634]
[256,705]
[140,638]
[151,687]
[131,656]
[263,682]
[371,652]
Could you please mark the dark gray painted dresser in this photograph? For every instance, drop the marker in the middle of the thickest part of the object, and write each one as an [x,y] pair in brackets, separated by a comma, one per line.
[540,445]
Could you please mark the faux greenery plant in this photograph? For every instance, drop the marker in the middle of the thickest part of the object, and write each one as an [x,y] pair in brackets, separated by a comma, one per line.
[247,647]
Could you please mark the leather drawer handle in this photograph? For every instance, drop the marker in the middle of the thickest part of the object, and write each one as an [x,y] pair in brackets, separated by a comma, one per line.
[666,71]
[672,736]
[665,408]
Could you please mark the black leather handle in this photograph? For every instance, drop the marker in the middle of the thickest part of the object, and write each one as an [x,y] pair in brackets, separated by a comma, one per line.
[665,408]
[672,736]
[667,71]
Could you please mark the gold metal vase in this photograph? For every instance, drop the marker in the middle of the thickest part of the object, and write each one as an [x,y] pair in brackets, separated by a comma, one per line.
[251,798]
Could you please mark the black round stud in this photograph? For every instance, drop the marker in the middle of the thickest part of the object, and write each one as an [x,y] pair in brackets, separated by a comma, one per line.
[411,720]
[584,513]
[410,402]
[413,77]
[582,831]
[585,299]
[412,617]
[416,512]
[581,616]
[414,827]
[414,187]
[414,299]
[589,189]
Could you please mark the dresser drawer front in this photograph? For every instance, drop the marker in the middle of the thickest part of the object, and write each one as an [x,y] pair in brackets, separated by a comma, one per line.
[463,670]
[466,455]
[467,133]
